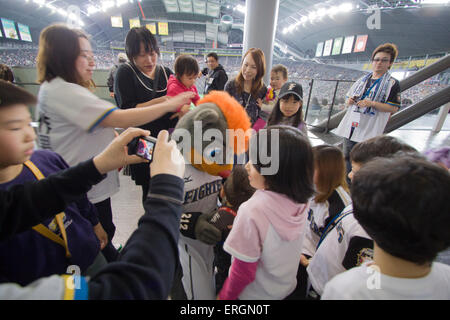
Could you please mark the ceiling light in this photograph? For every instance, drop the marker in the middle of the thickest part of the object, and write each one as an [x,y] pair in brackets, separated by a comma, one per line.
[321,12]
[346,7]
[107,4]
[91,9]
[241,8]
[332,10]
[51,7]
[62,12]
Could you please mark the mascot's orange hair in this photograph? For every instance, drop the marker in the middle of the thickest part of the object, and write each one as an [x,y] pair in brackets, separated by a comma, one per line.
[235,114]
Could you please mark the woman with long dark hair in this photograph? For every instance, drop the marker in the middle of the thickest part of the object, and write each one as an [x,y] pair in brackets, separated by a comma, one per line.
[248,87]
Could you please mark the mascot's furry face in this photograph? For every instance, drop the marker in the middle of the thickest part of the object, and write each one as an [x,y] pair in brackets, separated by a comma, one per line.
[216,130]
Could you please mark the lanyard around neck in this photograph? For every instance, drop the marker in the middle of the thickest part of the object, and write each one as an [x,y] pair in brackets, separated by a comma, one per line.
[334,222]
[366,93]
[248,100]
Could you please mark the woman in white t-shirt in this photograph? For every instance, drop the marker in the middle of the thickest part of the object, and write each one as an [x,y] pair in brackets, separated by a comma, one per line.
[76,123]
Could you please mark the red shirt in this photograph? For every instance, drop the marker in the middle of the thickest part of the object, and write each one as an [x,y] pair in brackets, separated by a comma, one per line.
[174,87]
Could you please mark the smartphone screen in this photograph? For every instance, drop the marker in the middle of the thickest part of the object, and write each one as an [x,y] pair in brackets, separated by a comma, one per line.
[145,148]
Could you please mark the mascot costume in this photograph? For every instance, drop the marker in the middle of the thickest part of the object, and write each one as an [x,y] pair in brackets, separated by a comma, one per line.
[209,159]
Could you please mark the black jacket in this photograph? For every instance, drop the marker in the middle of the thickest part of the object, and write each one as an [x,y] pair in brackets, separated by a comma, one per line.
[131,88]
[216,79]
[146,267]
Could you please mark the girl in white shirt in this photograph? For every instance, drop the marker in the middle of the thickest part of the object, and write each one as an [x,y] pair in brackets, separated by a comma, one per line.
[332,196]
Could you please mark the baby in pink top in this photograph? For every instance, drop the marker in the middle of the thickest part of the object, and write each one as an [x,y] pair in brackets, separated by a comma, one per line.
[267,234]
[186,73]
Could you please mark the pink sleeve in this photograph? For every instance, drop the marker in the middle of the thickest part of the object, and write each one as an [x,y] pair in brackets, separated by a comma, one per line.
[241,275]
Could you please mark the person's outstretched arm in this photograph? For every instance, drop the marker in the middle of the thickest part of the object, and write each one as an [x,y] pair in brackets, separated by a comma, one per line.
[119,118]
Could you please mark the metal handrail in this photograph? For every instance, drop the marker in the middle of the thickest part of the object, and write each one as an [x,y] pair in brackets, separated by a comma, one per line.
[418,109]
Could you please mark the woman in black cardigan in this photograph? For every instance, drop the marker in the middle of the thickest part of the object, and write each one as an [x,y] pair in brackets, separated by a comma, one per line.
[142,82]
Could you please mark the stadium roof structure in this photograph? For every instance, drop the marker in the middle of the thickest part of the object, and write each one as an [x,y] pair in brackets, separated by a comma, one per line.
[416,28]
[96,14]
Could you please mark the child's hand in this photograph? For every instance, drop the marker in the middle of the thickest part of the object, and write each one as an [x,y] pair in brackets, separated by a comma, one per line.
[179,100]
[184,109]
[101,235]
[304,261]
[259,102]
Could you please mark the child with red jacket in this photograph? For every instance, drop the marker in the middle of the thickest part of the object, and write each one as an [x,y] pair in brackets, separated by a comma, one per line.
[186,73]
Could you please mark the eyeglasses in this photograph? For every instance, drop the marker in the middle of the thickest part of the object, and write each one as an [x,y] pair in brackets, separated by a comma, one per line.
[87,57]
[381,60]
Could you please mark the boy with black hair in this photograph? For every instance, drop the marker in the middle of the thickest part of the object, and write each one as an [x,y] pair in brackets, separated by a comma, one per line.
[403,205]
[344,243]
[72,237]
[278,77]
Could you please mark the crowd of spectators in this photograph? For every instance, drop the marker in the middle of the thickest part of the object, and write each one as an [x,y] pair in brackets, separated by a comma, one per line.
[16,57]
[303,72]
